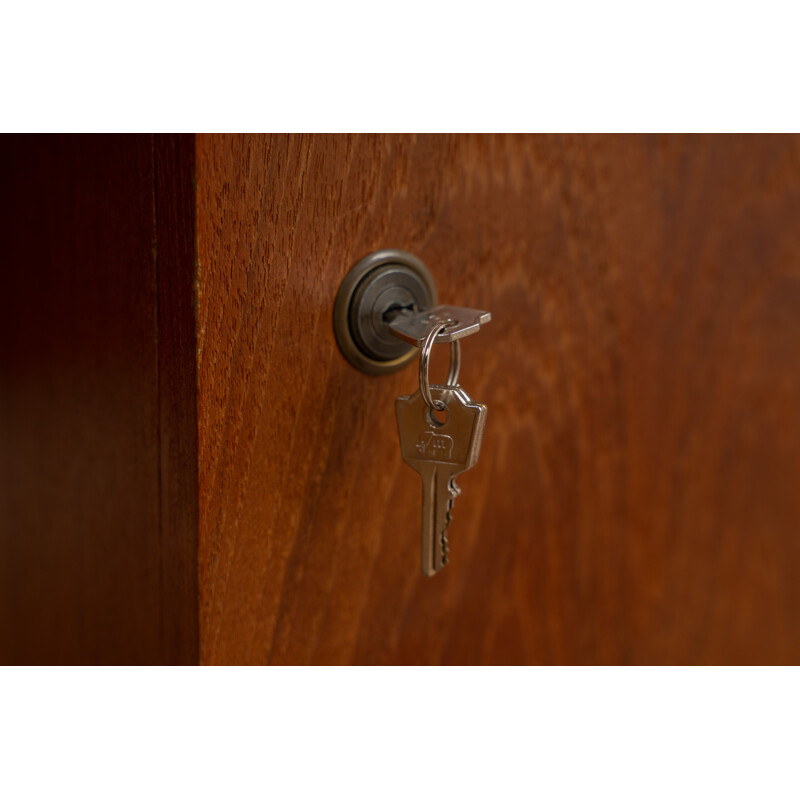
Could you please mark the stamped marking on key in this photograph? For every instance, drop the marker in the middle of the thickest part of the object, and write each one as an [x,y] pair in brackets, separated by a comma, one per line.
[437,445]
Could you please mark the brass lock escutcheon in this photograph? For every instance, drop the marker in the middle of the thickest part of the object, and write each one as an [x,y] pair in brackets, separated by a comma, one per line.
[374,292]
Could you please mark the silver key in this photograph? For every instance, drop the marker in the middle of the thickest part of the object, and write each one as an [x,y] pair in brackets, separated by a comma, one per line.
[439,452]
[413,326]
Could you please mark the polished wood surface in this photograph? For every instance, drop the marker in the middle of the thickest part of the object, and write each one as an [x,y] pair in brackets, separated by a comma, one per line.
[92,569]
[638,495]
[190,470]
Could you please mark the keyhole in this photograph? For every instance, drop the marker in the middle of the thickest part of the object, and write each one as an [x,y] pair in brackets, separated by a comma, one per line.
[395,309]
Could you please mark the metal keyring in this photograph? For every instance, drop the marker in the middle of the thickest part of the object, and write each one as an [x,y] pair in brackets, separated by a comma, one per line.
[424,359]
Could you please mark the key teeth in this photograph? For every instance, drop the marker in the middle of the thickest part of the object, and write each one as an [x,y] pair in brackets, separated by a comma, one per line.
[448,517]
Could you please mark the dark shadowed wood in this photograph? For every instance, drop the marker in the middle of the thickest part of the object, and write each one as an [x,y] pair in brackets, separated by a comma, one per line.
[638,495]
[87,573]
[177,391]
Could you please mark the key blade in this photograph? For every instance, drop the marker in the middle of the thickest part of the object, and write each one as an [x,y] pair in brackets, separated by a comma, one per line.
[444,506]
[414,326]
[447,490]
[431,558]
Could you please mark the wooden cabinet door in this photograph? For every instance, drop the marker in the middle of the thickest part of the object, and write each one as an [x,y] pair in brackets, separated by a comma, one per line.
[191,471]
[637,498]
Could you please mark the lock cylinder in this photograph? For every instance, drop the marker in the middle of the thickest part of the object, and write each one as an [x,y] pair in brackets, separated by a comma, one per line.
[378,288]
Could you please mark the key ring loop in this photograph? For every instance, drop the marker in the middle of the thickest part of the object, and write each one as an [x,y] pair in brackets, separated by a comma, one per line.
[424,360]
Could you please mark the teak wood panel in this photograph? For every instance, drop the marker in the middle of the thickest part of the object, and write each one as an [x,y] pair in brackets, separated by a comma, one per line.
[638,494]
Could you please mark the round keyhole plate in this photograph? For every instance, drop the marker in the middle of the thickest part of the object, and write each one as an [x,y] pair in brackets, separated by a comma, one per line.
[375,289]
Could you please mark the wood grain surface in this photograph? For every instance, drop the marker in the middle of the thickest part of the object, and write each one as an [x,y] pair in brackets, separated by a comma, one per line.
[88,572]
[178,428]
[638,495]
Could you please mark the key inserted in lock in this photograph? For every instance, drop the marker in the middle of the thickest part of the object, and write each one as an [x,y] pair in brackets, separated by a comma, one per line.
[413,326]
[385,313]
[385,308]
[379,289]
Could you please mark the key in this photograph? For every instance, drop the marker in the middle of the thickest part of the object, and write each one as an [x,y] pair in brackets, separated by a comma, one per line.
[439,452]
[413,326]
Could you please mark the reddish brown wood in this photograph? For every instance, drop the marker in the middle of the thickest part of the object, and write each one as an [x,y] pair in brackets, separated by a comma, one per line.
[169,380]
[88,572]
[637,497]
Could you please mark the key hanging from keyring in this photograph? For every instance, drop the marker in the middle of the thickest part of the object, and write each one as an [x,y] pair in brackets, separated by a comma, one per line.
[439,450]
